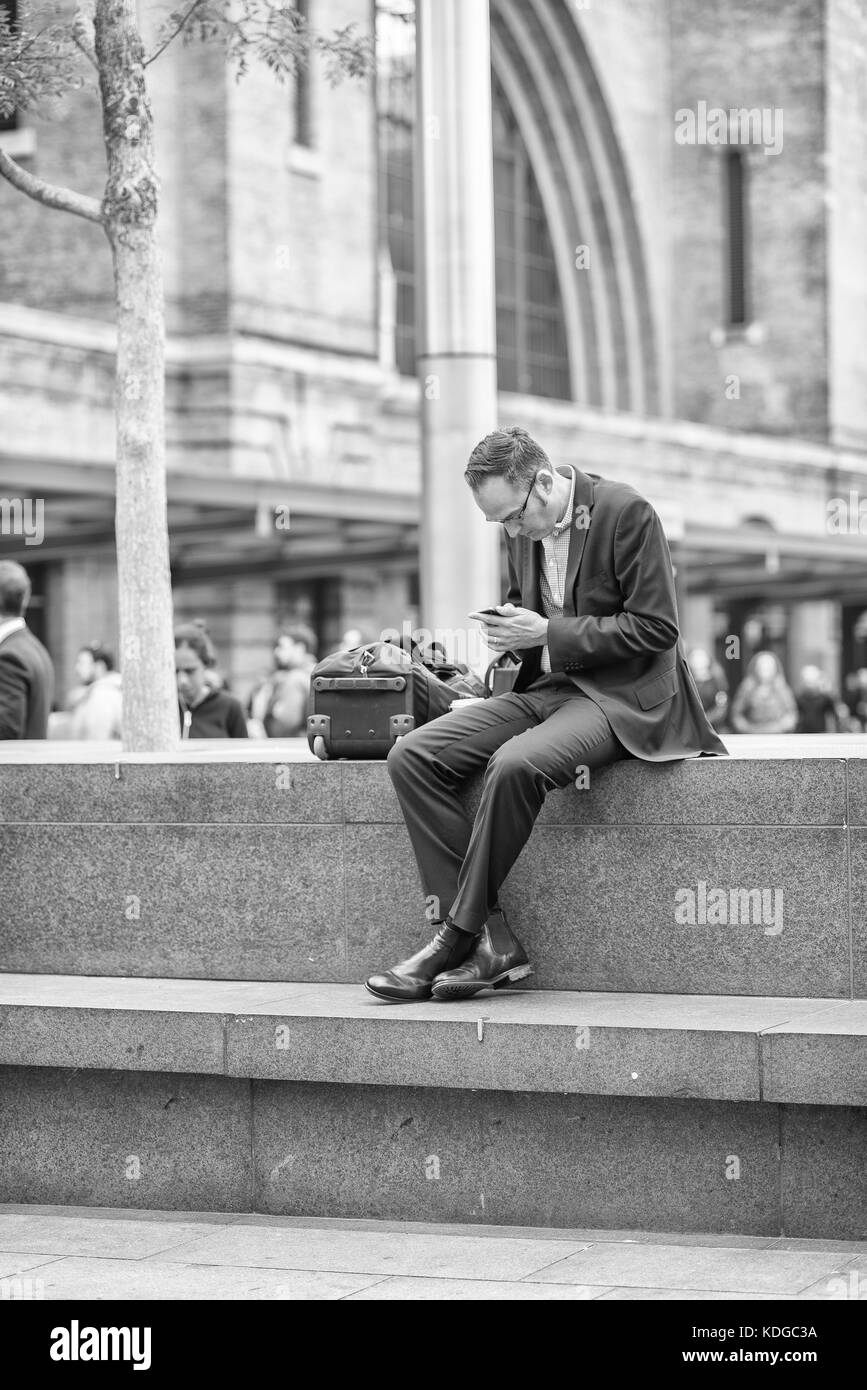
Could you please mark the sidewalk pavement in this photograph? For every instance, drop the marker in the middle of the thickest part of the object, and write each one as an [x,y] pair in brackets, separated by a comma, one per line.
[50,1252]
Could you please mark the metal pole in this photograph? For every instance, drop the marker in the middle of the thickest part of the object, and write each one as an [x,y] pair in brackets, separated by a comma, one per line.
[457,362]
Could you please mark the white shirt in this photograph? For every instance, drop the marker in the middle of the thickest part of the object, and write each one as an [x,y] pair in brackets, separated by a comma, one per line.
[10,625]
[555,555]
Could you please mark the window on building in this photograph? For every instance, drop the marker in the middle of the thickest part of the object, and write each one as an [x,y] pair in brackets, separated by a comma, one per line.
[303,91]
[10,120]
[735,176]
[532,354]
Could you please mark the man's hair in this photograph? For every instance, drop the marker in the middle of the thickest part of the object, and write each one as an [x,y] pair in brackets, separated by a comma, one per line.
[299,632]
[100,653]
[511,453]
[14,589]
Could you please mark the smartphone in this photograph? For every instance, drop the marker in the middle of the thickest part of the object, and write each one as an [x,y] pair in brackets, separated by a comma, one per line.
[486,613]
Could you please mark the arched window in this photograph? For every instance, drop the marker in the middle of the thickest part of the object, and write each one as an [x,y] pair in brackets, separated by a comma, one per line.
[532,354]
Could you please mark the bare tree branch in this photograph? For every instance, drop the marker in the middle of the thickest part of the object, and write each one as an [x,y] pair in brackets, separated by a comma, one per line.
[53,196]
[174,32]
[82,30]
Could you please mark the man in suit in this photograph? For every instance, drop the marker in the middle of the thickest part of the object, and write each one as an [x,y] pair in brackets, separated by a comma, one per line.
[591,611]
[26,672]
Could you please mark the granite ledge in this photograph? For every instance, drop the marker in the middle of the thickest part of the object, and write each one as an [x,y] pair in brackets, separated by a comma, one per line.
[689,1046]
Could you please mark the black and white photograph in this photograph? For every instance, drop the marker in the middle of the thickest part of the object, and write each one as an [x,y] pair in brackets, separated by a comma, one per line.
[433,671]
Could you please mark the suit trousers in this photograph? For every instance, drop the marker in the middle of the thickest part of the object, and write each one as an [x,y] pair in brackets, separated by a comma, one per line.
[529,743]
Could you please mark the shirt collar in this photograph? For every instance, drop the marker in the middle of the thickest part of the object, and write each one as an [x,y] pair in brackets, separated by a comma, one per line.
[9,626]
[567,514]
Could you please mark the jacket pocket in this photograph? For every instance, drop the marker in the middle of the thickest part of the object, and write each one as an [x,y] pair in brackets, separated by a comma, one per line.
[655,691]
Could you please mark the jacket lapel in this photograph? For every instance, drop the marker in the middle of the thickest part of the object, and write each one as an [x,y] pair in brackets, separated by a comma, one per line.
[582,507]
[531,588]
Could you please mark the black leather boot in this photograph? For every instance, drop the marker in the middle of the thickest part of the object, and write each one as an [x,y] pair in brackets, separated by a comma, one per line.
[411,980]
[498,959]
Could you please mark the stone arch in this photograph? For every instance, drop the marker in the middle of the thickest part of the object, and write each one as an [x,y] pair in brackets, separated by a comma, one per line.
[543,67]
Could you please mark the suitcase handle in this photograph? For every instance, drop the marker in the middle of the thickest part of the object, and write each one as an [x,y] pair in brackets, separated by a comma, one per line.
[364,683]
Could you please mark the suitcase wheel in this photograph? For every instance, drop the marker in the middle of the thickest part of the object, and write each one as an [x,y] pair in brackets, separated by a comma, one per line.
[400,724]
[319,726]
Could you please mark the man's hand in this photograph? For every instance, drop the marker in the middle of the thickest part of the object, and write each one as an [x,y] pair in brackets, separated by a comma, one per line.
[516,629]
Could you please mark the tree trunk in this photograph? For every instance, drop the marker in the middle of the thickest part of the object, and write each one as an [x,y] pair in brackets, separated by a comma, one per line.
[150,713]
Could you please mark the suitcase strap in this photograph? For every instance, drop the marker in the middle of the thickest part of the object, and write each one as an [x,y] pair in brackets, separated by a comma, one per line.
[362,683]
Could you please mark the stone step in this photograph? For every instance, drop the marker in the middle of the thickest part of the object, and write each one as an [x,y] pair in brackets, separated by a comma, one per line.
[806,1051]
[523,1108]
[741,876]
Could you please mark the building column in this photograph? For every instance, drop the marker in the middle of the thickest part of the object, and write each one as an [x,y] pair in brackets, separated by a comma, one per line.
[814,640]
[457,363]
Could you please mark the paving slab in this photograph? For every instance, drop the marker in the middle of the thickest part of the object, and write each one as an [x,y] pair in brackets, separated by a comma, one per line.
[76,1234]
[462,1290]
[124,1253]
[847,1285]
[639,1295]
[75,1278]
[677,1267]
[370,1252]
[22,1262]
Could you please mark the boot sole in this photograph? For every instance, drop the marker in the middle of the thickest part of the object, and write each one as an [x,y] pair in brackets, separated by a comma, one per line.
[392,999]
[450,990]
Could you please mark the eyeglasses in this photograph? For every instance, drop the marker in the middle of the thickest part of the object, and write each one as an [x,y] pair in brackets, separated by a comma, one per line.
[519,515]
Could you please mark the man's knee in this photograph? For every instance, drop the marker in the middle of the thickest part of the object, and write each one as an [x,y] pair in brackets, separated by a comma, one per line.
[403,753]
[509,764]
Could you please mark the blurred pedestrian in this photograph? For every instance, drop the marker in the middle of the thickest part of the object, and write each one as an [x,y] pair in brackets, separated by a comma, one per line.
[711,684]
[279,704]
[95,703]
[817,710]
[26,669]
[764,703]
[204,712]
[856,700]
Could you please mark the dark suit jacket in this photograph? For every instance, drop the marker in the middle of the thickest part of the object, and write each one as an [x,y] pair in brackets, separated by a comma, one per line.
[618,638]
[26,686]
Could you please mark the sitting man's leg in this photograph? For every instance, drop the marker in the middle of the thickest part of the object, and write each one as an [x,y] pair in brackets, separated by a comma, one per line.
[576,734]
[462,864]
[427,767]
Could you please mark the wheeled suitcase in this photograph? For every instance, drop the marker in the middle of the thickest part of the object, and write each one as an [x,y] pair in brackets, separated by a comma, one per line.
[362,700]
